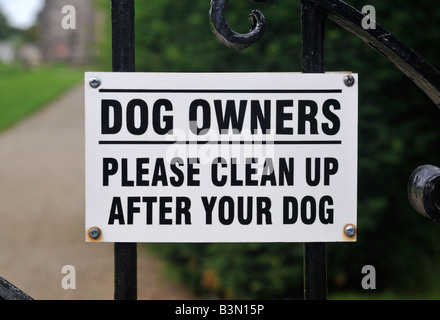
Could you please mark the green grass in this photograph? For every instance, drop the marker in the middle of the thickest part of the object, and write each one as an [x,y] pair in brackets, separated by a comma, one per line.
[23,92]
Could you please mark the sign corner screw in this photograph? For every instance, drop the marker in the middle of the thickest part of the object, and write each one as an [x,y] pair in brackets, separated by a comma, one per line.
[94,233]
[350,230]
[95,82]
[349,80]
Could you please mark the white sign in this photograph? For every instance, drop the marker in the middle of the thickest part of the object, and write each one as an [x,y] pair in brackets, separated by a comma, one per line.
[220,157]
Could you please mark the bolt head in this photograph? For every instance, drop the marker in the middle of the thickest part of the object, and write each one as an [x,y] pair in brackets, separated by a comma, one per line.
[350,230]
[95,82]
[349,80]
[94,233]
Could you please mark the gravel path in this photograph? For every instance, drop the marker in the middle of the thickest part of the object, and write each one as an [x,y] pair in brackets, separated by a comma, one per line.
[42,212]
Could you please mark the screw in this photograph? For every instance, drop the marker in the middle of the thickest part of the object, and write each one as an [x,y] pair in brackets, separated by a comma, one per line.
[350,230]
[95,82]
[94,233]
[349,80]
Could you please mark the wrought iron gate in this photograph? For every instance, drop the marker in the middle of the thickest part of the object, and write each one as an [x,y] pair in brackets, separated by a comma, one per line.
[424,183]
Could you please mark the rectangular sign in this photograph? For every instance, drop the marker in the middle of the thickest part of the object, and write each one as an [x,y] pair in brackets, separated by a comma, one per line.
[221,157]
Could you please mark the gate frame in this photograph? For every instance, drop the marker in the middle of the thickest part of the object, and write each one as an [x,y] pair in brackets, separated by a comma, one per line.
[314,14]
[312,43]
[123,60]
[313,17]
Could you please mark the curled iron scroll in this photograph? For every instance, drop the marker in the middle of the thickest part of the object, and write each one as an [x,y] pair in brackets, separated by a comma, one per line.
[424,193]
[229,37]
[414,66]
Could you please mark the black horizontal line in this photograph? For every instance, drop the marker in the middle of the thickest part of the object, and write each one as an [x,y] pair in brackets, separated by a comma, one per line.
[221,90]
[298,142]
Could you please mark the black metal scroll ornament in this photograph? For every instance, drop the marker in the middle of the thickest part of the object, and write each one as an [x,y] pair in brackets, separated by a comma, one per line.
[424,191]
[226,35]
[423,74]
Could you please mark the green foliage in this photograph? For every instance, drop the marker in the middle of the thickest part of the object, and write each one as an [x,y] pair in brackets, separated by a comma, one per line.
[5,29]
[236,270]
[398,131]
[181,39]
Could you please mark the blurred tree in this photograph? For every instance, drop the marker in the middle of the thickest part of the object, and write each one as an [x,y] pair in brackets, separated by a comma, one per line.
[397,132]
[5,29]
[30,34]
[20,35]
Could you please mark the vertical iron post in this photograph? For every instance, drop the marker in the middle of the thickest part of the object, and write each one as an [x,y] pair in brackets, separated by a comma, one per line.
[125,254]
[315,259]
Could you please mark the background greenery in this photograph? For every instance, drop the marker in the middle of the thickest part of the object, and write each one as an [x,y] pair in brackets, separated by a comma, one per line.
[24,88]
[398,131]
[22,91]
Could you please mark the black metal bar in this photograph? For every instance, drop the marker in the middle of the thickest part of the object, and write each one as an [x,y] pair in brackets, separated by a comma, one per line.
[315,271]
[125,271]
[10,292]
[315,259]
[312,37]
[123,36]
[123,60]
